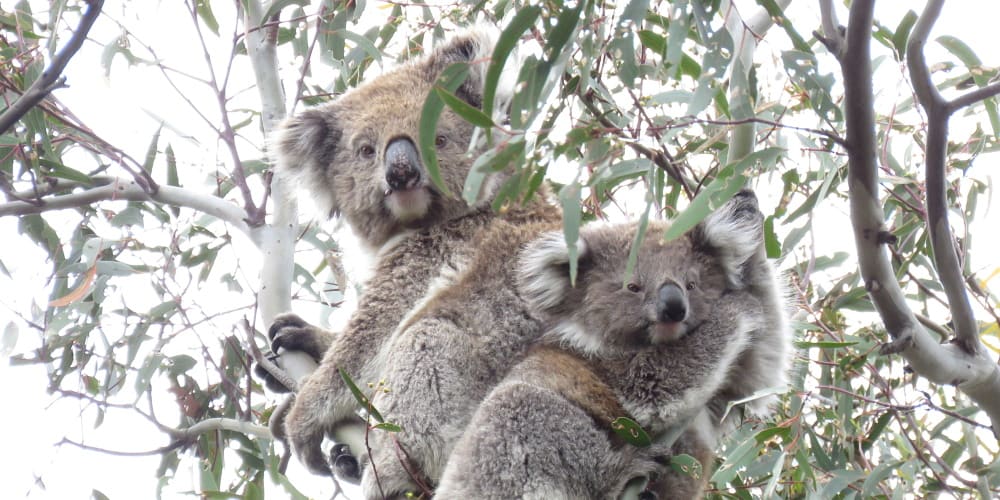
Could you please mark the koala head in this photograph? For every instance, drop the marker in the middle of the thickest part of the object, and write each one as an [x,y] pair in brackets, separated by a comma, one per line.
[672,288]
[359,155]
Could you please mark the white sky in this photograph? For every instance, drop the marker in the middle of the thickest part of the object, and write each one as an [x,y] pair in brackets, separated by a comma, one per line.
[115,110]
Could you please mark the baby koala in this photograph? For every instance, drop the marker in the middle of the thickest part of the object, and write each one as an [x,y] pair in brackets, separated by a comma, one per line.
[656,349]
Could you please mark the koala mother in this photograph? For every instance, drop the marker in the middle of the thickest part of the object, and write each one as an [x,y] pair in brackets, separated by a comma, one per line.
[358,155]
[700,301]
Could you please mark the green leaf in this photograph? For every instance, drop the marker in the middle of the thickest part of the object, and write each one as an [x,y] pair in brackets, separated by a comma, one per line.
[464,109]
[824,345]
[569,199]
[640,234]
[9,339]
[635,11]
[204,9]
[631,432]
[960,50]
[778,15]
[729,182]
[360,397]
[653,41]
[276,7]
[147,165]
[145,374]
[565,26]
[450,79]
[63,172]
[686,465]
[492,160]
[737,458]
[388,427]
[680,24]
[505,44]
[902,33]
[181,363]
[771,243]
[840,480]
[365,44]
[772,484]
[115,47]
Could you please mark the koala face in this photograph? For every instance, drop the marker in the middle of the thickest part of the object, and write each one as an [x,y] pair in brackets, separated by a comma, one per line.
[670,291]
[359,155]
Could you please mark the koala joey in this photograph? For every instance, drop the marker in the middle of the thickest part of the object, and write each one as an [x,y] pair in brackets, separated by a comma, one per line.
[359,156]
[657,349]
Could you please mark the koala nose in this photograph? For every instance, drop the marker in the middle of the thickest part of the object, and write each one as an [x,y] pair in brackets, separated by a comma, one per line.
[402,164]
[671,304]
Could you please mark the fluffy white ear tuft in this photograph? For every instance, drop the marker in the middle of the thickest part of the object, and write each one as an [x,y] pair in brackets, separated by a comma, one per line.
[303,147]
[543,279]
[735,232]
[475,46]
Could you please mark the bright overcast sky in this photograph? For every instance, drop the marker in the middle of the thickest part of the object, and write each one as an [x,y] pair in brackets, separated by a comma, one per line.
[122,112]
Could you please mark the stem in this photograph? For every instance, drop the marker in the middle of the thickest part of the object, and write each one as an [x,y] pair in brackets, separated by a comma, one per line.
[50,78]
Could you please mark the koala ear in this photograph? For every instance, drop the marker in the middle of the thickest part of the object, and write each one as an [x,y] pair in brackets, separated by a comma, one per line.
[543,279]
[475,47]
[304,147]
[734,233]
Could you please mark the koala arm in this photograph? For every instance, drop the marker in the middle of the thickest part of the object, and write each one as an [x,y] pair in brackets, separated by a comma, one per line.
[403,275]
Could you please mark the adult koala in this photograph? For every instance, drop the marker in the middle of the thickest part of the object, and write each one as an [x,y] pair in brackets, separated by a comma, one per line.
[683,335]
[359,157]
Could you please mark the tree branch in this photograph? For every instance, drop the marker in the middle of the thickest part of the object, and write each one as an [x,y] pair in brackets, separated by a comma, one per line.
[745,34]
[277,239]
[978,375]
[50,78]
[116,188]
[221,424]
[970,98]
[942,240]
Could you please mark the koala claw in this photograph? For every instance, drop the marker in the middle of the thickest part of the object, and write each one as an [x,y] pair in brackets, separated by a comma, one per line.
[345,465]
[307,445]
[292,333]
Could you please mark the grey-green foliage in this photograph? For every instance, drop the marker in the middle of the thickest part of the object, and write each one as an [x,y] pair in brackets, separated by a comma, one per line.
[604,109]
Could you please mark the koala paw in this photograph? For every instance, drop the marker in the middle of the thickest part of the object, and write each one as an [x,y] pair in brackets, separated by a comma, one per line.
[345,464]
[292,333]
[306,435]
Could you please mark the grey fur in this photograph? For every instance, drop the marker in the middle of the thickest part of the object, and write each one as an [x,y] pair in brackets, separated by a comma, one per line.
[544,431]
[336,151]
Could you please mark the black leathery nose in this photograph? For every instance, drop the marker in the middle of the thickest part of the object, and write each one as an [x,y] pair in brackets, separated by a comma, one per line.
[402,164]
[671,303]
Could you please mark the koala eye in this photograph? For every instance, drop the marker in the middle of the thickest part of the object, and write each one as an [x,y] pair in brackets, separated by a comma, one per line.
[366,151]
[690,285]
[634,288]
[440,141]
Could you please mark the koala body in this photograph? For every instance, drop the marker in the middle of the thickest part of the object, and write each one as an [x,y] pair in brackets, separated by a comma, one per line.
[358,155]
[658,350]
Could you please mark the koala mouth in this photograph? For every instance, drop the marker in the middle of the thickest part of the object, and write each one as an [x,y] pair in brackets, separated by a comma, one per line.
[667,331]
[408,204]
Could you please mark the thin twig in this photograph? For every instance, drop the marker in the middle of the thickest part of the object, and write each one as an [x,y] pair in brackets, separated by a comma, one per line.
[51,78]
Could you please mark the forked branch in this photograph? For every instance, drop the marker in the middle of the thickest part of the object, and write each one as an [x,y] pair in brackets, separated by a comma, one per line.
[942,240]
[971,370]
